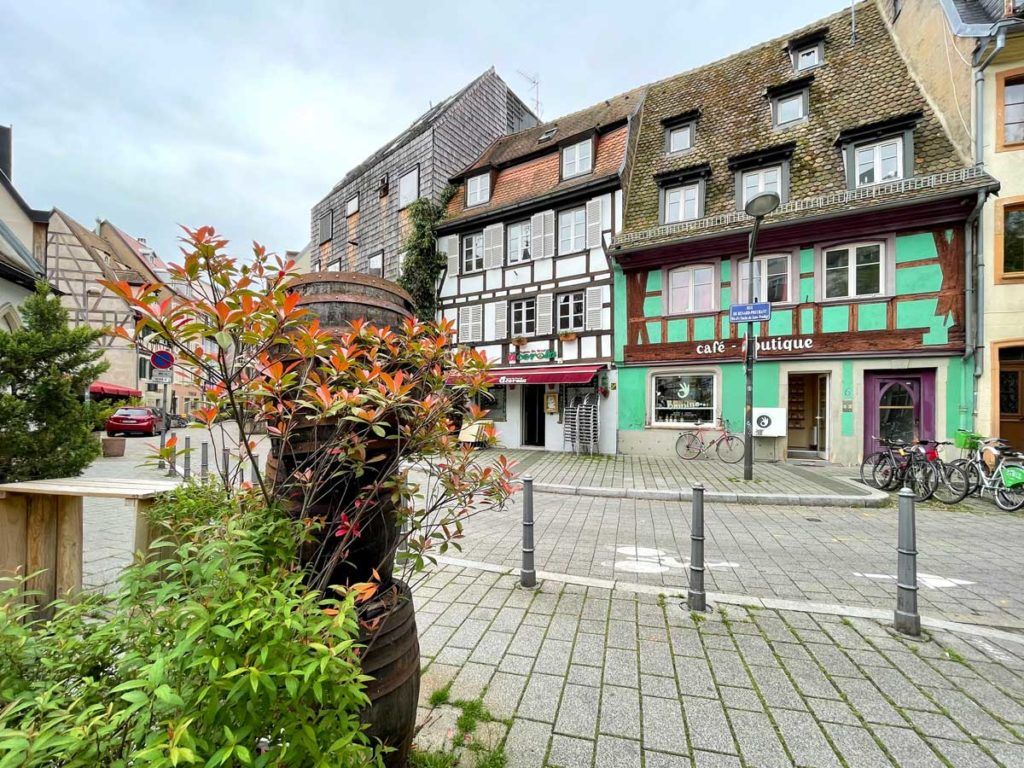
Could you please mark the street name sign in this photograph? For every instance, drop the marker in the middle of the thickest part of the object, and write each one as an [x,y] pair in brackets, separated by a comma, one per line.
[758,312]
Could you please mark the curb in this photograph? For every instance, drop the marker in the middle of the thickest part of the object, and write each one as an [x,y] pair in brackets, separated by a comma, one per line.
[873,497]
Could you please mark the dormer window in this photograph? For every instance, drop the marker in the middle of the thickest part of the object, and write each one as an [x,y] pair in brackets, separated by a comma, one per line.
[546,136]
[765,170]
[879,153]
[577,159]
[682,193]
[789,109]
[478,189]
[680,131]
[805,58]
[325,228]
[882,161]
[807,51]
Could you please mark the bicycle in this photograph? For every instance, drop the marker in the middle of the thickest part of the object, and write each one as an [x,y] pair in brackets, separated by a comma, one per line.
[728,445]
[952,484]
[1005,481]
[900,464]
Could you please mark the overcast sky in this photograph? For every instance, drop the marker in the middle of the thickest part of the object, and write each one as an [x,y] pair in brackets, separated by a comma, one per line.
[244,114]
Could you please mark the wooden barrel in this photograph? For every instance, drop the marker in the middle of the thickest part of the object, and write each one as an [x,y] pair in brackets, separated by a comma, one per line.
[338,298]
[392,658]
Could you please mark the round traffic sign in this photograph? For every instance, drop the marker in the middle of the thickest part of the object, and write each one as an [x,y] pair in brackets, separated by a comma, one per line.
[162,359]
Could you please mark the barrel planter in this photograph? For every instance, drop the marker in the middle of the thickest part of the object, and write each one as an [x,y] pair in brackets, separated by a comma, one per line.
[388,622]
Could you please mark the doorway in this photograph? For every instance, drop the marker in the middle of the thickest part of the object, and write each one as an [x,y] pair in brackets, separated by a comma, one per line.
[898,407]
[533,414]
[1011,384]
[807,429]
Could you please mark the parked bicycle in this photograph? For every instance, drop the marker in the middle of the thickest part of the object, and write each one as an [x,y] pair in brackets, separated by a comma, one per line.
[901,464]
[1004,479]
[728,446]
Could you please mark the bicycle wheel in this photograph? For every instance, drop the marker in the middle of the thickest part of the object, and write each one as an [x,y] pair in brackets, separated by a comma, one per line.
[952,486]
[922,479]
[1010,499]
[974,478]
[887,474]
[867,468]
[688,445]
[730,449]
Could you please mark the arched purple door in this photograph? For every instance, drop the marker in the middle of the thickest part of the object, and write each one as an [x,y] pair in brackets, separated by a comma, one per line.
[898,407]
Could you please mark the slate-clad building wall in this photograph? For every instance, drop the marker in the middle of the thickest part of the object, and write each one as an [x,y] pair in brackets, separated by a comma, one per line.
[439,143]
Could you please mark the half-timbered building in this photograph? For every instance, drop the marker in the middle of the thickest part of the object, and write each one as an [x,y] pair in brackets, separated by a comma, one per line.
[528,278]
[864,262]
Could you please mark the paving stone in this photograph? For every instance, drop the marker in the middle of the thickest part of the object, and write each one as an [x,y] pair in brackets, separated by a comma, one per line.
[662,760]
[527,744]
[577,714]
[613,752]
[540,698]
[554,656]
[503,693]
[568,752]
[935,724]
[663,687]
[727,668]
[517,665]
[468,634]
[664,728]
[620,712]
[833,711]
[709,730]
[856,746]
[759,745]
[962,754]
[740,698]
[491,648]
[804,739]
[437,729]
[775,688]
[865,698]
[714,760]
[588,649]
[656,659]
[810,680]
[435,677]
[620,668]
[581,675]
[471,681]
[970,716]
[695,678]
[907,748]
[1008,754]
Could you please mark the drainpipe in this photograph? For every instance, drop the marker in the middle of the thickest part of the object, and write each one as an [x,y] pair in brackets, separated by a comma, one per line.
[972,309]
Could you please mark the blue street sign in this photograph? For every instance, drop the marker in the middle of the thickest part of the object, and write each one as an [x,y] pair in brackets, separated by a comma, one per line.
[750,313]
[161,360]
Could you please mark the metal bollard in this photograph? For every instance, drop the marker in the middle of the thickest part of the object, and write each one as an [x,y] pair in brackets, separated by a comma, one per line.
[528,574]
[172,470]
[204,460]
[163,442]
[225,460]
[252,469]
[187,460]
[907,619]
[696,599]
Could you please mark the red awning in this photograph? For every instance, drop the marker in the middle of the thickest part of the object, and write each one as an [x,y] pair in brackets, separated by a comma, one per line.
[547,374]
[102,388]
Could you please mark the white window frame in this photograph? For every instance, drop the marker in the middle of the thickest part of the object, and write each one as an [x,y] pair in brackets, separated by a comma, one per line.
[379,269]
[477,263]
[576,161]
[519,255]
[479,192]
[798,57]
[760,173]
[692,269]
[404,201]
[521,324]
[682,190]
[576,321]
[352,206]
[851,270]
[577,230]
[680,130]
[876,148]
[740,296]
[800,97]
[715,398]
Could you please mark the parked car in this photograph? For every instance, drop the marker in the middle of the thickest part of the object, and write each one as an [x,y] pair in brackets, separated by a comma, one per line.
[136,420]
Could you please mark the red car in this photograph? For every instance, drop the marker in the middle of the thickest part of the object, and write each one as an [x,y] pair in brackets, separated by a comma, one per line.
[135,421]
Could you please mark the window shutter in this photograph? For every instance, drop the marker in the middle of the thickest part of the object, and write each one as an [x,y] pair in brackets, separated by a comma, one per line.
[450,247]
[465,331]
[500,320]
[593,309]
[594,223]
[476,314]
[537,235]
[544,314]
[494,251]
[549,234]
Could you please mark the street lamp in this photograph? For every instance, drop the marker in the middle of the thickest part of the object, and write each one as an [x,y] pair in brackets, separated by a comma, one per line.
[758,206]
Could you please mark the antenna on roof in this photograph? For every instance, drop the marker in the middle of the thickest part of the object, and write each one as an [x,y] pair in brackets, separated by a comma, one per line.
[534,81]
[853,21]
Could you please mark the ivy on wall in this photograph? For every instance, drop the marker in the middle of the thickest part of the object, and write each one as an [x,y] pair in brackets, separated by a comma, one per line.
[422,267]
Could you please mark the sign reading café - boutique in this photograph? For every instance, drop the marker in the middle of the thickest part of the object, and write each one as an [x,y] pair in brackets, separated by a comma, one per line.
[768,346]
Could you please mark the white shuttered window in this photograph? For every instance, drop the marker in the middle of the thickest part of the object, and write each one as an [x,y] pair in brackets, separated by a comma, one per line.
[471,323]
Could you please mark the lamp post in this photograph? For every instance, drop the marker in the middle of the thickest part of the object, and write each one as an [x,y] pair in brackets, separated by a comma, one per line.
[758,206]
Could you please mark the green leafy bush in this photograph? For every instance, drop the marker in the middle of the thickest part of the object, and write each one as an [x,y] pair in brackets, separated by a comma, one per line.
[212,653]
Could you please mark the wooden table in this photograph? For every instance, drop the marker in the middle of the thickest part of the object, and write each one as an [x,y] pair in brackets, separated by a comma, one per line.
[41,529]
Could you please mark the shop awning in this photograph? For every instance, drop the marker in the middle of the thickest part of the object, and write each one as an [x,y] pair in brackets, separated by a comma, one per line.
[548,374]
[116,390]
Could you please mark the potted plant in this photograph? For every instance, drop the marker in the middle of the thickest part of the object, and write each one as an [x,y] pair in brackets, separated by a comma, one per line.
[519,341]
[112,446]
[567,336]
[348,408]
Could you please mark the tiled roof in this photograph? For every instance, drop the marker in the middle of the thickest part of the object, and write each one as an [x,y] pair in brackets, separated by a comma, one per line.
[979,11]
[540,176]
[861,82]
[525,143]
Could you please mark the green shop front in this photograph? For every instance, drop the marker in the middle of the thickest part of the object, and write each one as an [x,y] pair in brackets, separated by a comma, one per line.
[866,336]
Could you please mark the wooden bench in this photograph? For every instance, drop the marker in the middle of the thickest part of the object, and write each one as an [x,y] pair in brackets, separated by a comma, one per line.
[41,529]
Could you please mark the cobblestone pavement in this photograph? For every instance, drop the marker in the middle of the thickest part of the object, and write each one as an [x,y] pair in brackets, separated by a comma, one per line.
[673,474]
[971,560]
[583,676]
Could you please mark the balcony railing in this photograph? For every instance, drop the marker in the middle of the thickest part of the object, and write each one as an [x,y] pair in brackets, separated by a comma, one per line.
[840,197]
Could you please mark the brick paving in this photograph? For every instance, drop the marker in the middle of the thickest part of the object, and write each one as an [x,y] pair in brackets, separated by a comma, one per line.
[583,676]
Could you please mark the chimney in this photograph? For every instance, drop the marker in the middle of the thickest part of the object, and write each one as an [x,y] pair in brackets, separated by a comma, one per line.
[142,240]
[6,154]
